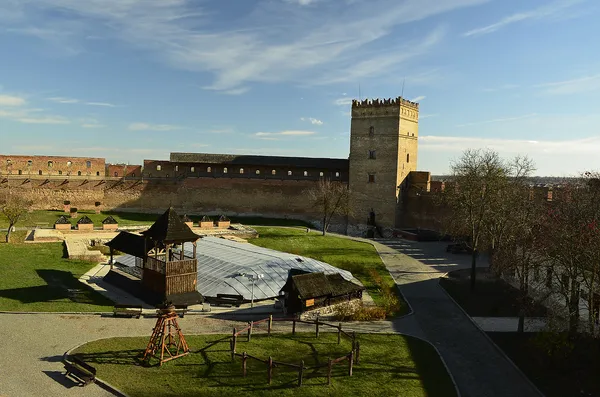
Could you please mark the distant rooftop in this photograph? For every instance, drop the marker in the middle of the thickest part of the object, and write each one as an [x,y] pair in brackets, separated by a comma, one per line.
[275,161]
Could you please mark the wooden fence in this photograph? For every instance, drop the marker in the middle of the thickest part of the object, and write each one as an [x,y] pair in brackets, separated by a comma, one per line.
[353,356]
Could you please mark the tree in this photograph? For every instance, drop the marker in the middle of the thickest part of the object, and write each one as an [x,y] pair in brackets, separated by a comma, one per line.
[13,208]
[477,180]
[331,199]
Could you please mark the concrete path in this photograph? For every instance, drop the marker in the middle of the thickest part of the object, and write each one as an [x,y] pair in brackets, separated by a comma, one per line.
[479,369]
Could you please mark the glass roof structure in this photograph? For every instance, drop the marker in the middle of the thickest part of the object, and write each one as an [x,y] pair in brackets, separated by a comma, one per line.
[229,267]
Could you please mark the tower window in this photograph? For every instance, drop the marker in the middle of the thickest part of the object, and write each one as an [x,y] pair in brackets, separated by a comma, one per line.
[273,172]
[372,155]
[59,172]
[176,168]
[98,173]
[225,170]
[337,174]
[9,162]
[69,163]
[192,169]
[321,173]
[371,178]
[371,131]
[40,172]
[305,173]
[50,164]
[241,170]
[407,157]
[289,173]
[257,172]
[88,164]
[116,174]
[29,162]
[208,169]
[78,173]
[158,168]
[20,172]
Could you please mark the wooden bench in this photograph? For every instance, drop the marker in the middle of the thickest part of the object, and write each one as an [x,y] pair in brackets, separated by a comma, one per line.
[126,310]
[80,371]
[227,300]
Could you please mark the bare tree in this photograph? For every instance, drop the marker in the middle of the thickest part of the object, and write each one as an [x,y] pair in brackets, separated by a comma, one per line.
[13,208]
[331,199]
[478,178]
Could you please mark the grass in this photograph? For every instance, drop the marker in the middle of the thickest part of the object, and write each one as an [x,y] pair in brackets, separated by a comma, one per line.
[391,365]
[571,371]
[357,257]
[135,219]
[492,297]
[36,277]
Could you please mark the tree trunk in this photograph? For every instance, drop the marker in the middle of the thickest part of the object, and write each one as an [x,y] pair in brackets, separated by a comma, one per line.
[522,300]
[8,232]
[324,224]
[473,269]
[574,307]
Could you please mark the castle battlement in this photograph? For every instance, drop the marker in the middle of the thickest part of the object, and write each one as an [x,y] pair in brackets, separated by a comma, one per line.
[399,101]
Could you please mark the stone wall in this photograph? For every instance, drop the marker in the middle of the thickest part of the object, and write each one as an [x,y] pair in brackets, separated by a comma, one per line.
[51,165]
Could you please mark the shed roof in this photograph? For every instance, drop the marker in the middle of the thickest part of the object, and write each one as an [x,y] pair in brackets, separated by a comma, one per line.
[169,228]
[276,161]
[128,243]
[341,286]
[312,285]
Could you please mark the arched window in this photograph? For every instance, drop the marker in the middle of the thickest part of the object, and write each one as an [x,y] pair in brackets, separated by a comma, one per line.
[372,154]
[9,162]
[88,164]
[176,168]
[133,175]
[59,172]
[241,170]
[337,174]
[305,173]
[50,164]
[40,172]
[289,173]
[166,176]
[116,174]
[78,173]
[29,162]
[20,172]
[192,169]
[407,157]
[158,168]
[273,172]
[321,173]
[371,131]
[69,163]
[208,169]
[98,173]
[225,170]
[257,172]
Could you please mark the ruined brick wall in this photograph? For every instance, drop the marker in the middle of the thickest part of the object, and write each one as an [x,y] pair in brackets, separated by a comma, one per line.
[51,166]
[124,170]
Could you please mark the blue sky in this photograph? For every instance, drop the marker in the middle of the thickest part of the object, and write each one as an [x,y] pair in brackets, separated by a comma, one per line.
[135,79]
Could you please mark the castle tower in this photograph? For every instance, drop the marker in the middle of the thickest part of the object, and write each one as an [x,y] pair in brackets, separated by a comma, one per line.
[383,152]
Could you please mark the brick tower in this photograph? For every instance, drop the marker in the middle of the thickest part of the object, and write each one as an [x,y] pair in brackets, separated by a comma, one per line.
[383,152]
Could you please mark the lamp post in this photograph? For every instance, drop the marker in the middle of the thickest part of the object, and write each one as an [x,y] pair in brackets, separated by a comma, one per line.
[252,278]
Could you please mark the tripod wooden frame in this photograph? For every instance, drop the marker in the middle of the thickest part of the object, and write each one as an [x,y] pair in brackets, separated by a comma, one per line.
[166,338]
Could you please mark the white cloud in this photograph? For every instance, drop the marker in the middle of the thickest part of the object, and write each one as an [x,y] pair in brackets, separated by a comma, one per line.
[574,86]
[274,42]
[32,116]
[106,104]
[418,99]
[546,11]
[44,120]
[502,88]
[92,126]
[276,135]
[500,120]
[152,127]
[11,100]
[531,147]
[343,102]
[312,120]
[63,100]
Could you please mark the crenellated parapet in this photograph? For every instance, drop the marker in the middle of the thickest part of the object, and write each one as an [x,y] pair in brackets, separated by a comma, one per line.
[385,108]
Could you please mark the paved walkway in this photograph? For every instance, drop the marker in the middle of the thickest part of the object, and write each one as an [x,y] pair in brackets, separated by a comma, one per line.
[478,368]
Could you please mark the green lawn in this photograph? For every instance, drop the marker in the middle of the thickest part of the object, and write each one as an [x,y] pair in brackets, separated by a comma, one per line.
[390,365]
[357,257]
[36,277]
[135,219]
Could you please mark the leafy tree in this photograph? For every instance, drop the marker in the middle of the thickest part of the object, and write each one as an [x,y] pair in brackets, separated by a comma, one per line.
[13,208]
[331,199]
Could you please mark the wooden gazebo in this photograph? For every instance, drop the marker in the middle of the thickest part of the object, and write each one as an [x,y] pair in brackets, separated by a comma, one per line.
[167,273]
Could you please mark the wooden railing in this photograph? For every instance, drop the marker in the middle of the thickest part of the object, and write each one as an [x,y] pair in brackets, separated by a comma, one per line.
[181,267]
[155,264]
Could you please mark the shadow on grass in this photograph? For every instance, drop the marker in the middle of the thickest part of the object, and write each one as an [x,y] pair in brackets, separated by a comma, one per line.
[60,285]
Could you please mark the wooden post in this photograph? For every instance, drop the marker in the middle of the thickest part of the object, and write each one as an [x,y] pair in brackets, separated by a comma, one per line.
[270,371]
[350,361]
[353,340]
[233,344]
[339,333]
[300,373]
[357,358]
[270,324]
[294,326]
[329,371]
[317,327]
[250,331]
[244,358]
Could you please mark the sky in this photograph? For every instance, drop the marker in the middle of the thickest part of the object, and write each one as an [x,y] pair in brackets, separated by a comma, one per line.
[137,79]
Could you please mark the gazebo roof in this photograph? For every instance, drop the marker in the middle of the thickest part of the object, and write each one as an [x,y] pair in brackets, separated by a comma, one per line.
[129,243]
[169,228]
